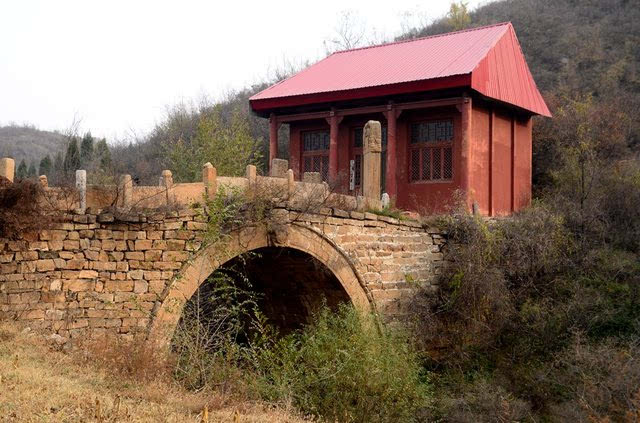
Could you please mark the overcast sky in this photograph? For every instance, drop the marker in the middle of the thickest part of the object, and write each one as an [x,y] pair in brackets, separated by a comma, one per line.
[117,64]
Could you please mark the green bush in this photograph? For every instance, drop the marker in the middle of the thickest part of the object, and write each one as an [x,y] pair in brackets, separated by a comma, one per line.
[344,367]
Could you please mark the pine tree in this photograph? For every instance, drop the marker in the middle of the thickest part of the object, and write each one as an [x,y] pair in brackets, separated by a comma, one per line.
[86,150]
[45,166]
[23,171]
[72,158]
[31,171]
[58,168]
[103,154]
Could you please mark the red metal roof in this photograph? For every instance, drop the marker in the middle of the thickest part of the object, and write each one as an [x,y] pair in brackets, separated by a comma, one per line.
[487,59]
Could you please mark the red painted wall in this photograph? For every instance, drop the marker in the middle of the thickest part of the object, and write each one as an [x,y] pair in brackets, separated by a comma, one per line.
[523,143]
[426,196]
[480,162]
[499,164]
[501,160]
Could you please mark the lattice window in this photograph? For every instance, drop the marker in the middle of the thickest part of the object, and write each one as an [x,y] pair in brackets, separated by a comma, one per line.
[439,130]
[431,151]
[315,141]
[447,163]
[315,152]
[358,169]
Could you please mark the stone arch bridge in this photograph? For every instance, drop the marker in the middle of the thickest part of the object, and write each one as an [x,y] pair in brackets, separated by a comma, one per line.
[105,269]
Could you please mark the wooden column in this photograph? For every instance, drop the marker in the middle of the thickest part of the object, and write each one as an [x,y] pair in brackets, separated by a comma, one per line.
[465,148]
[273,138]
[334,122]
[392,161]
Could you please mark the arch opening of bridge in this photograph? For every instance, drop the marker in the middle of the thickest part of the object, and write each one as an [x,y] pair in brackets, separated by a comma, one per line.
[294,273]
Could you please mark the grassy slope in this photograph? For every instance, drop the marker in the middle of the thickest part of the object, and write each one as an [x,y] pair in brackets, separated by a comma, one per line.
[40,384]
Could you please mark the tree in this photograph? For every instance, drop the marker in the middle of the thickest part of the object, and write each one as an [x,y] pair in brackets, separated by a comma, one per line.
[458,16]
[229,146]
[22,172]
[45,166]
[86,150]
[58,167]
[31,171]
[72,158]
[349,31]
[103,154]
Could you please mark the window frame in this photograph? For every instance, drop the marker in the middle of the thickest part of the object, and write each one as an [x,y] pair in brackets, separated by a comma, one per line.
[323,155]
[431,146]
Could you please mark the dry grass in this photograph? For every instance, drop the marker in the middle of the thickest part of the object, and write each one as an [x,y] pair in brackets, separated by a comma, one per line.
[40,383]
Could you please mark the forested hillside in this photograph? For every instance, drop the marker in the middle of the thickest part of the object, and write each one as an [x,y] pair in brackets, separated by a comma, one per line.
[23,142]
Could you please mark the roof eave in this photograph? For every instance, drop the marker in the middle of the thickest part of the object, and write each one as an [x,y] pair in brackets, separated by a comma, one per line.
[266,105]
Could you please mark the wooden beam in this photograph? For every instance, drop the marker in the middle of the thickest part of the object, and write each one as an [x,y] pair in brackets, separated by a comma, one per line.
[425,104]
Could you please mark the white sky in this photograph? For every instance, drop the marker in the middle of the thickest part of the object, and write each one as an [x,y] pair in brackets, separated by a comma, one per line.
[117,64]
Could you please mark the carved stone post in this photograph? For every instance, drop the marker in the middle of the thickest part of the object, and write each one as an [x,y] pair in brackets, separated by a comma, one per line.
[251,174]
[7,168]
[81,186]
[372,148]
[279,168]
[167,183]
[125,191]
[291,183]
[210,180]
[44,181]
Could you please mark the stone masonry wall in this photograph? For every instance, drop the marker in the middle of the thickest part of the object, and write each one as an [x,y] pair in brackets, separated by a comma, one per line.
[94,273]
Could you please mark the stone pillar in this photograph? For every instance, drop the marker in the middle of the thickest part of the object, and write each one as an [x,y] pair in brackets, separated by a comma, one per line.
[251,174]
[7,168]
[210,180]
[291,183]
[334,123]
[279,168]
[167,183]
[44,181]
[392,162]
[273,138]
[372,147]
[81,186]
[125,191]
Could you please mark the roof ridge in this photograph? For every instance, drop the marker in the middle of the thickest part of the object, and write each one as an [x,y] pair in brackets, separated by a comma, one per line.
[444,34]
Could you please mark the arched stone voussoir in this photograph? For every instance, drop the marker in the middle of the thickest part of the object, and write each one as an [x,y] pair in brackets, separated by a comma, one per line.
[300,237]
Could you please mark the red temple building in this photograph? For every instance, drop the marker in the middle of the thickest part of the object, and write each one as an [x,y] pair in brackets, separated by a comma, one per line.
[456,112]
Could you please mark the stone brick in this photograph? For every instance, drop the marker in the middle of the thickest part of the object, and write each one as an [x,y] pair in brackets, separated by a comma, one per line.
[175,245]
[197,226]
[153,255]
[103,234]
[45,265]
[71,245]
[78,285]
[175,256]
[88,274]
[140,286]
[136,274]
[108,245]
[143,244]
[119,286]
